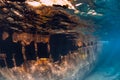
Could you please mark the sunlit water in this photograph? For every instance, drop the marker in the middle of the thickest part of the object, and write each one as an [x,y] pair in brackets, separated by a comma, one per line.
[108,67]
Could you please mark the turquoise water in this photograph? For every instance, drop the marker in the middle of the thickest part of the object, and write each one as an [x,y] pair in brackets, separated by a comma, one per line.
[108,67]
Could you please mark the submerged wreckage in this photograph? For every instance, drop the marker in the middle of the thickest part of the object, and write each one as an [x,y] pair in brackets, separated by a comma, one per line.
[41,34]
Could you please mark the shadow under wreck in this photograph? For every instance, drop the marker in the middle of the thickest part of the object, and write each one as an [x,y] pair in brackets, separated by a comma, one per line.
[43,43]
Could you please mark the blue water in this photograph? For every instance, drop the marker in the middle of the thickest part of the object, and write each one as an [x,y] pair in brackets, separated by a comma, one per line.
[108,67]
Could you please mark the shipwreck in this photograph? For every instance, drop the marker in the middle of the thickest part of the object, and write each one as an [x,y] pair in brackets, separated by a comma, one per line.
[42,35]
